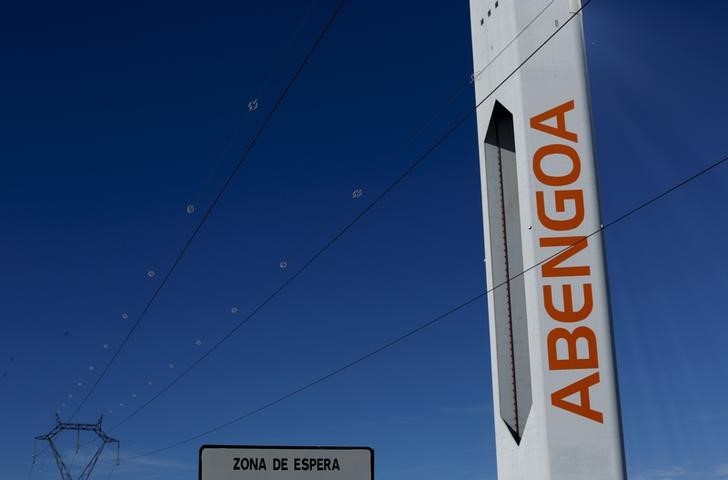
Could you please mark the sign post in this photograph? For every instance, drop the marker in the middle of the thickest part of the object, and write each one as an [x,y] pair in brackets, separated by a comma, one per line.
[231,462]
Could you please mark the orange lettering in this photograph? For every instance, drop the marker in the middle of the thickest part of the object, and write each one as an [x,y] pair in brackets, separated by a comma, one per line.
[560,129]
[568,314]
[572,361]
[556,180]
[560,198]
[558,399]
[551,267]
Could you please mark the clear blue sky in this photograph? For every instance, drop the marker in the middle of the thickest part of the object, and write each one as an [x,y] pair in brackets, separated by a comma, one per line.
[112,120]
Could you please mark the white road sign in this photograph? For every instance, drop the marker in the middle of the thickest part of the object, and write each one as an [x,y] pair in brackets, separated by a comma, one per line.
[230,462]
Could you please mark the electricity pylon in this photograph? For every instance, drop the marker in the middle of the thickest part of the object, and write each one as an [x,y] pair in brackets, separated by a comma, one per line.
[78,427]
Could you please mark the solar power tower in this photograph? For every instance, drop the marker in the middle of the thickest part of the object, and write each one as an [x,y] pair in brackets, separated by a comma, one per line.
[554,382]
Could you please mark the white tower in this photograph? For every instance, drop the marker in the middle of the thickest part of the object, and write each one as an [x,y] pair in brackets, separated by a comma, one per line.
[554,381]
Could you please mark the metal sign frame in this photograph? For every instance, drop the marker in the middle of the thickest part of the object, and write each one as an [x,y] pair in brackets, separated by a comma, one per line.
[285,447]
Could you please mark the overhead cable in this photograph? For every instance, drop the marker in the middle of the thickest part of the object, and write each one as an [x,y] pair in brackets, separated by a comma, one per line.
[356,219]
[439,318]
[214,203]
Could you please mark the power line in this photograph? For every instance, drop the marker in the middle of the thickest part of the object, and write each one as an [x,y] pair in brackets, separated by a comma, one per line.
[249,317]
[404,146]
[439,318]
[271,72]
[276,65]
[215,201]
[320,379]
[322,250]
[474,78]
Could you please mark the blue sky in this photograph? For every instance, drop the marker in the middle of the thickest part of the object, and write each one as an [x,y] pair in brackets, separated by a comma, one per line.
[113,119]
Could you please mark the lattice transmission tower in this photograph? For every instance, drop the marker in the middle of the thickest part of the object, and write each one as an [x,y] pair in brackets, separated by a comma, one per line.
[78,428]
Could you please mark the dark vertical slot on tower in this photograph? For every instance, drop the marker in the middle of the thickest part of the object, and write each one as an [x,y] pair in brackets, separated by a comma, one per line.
[506,262]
